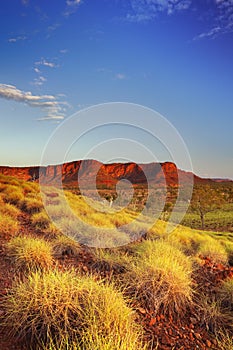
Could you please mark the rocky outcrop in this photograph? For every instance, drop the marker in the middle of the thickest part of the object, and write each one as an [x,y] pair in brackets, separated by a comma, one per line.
[107,174]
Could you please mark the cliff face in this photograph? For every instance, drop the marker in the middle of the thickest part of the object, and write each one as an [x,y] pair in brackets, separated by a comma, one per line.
[107,174]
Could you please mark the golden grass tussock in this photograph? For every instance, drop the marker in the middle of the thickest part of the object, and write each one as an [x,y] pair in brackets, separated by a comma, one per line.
[214,315]
[224,341]
[186,239]
[29,253]
[9,180]
[52,309]
[213,249]
[9,209]
[13,195]
[30,187]
[64,245]
[110,261]
[40,221]
[8,226]
[226,292]
[32,205]
[160,277]
[229,249]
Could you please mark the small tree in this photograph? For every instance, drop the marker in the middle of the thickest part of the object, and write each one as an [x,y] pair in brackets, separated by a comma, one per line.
[204,200]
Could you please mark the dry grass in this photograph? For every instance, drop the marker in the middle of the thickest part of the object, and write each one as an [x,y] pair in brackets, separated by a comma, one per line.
[214,315]
[225,341]
[8,226]
[32,205]
[110,262]
[213,249]
[29,253]
[64,245]
[40,221]
[13,195]
[161,277]
[226,292]
[10,210]
[53,308]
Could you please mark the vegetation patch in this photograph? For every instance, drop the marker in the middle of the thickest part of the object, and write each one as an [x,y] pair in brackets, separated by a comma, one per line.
[29,253]
[65,246]
[53,308]
[161,277]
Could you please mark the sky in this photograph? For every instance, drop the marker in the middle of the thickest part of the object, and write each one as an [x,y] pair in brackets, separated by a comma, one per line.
[173,56]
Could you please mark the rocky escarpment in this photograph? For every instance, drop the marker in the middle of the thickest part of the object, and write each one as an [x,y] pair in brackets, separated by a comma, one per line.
[92,171]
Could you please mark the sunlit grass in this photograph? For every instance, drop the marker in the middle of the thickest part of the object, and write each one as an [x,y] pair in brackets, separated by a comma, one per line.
[53,308]
[40,220]
[64,245]
[8,226]
[13,194]
[29,253]
[161,277]
[32,205]
[211,248]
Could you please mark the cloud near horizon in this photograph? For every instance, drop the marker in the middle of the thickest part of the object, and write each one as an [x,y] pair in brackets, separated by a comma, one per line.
[48,103]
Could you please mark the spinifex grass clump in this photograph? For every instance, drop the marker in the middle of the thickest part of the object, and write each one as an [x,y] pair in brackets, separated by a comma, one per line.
[51,309]
[10,210]
[213,249]
[8,226]
[64,245]
[29,253]
[160,278]
[32,205]
[215,315]
[226,292]
[40,220]
[110,262]
[13,194]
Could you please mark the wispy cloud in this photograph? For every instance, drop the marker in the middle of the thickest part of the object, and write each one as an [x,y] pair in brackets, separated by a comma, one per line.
[10,92]
[48,103]
[36,70]
[71,7]
[112,74]
[39,81]
[17,38]
[146,10]
[64,51]
[219,19]
[46,63]
[222,22]
[51,117]
[25,2]
[120,76]
[73,2]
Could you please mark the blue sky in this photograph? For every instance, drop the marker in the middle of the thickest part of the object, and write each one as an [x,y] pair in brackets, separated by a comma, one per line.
[174,56]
